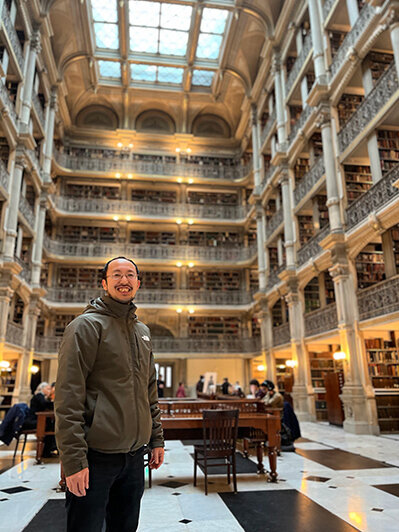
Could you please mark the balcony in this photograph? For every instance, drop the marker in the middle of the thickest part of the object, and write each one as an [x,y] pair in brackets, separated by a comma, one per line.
[7,107]
[268,176]
[377,197]
[312,248]
[15,334]
[150,210]
[274,279]
[187,346]
[360,29]
[268,127]
[281,334]
[33,161]
[386,89]
[25,273]
[37,106]
[81,163]
[274,223]
[321,320]
[309,181]
[26,210]
[162,252]
[379,299]
[12,37]
[327,7]
[155,297]
[299,63]
[300,124]
[4,177]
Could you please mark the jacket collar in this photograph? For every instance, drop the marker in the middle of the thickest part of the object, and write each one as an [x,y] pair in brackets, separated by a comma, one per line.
[119,309]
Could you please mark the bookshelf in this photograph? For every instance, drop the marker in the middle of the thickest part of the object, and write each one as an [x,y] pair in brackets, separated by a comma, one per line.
[323,210]
[388,143]
[4,150]
[153,237]
[217,327]
[255,327]
[295,114]
[383,365]
[395,241]
[310,78]
[60,322]
[81,233]
[214,280]
[321,364]
[277,313]
[158,280]
[157,196]
[273,258]
[212,198]
[370,266]
[254,279]
[317,144]
[347,105]
[213,238]
[79,277]
[336,39]
[358,181]
[306,228]
[312,295]
[270,209]
[329,288]
[301,168]
[18,313]
[91,191]
[379,63]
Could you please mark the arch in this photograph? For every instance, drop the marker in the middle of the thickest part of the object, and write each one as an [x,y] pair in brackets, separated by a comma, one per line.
[210,125]
[160,331]
[155,120]
[97,116]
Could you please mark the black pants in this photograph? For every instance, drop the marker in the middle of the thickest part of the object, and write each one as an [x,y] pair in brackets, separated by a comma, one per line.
[116,485]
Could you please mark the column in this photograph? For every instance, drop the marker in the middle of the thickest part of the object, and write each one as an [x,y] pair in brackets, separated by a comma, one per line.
[288,219]
[357,394]
[333,202]
[38,243]
[353,11]
[48,149]
[278,89]
[304,91]
[266,333]
[6,294]
[30,75]
[394,28]
[389,254]
[256,146]
[317,40]
[12,208]
[18,247]
[261,247]
[302,392]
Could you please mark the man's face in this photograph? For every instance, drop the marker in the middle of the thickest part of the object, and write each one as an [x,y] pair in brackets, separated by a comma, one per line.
[46,390]
[121,282]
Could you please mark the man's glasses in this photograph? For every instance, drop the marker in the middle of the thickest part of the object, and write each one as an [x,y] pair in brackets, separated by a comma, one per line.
[118,276]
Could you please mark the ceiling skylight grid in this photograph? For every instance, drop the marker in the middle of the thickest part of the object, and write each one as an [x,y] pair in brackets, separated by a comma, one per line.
[105,20]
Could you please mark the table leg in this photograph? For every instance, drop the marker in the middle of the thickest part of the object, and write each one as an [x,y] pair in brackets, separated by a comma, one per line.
[40,431]
[259,456]
[62,482]
[272,452]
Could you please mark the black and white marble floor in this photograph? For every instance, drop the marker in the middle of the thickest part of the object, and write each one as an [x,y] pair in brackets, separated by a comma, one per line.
[334,482]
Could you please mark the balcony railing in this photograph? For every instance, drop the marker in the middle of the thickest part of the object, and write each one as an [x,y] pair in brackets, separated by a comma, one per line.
[312,248]
[281,334]
[7,103]
[383,91]
[34,160]
[4,175]
[379,300]
[268,126]
[309,180]
[268,175]
[27,211]
[275,221]
[38,109]
[300,123]
[25,273]
[15,334]
[156,297]
[327,6]
[12,35]
[374,199]
[51,344]
[351,38]
[149,251]
[151,209]
[117,164]
[321,320]
[299,62]
[273,278]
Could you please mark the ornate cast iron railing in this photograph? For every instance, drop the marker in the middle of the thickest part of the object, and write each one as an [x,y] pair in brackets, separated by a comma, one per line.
[321,320]
[281,334]
[378,300]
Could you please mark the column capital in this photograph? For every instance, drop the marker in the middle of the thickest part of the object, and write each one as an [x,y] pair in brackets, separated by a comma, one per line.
[284,174]
[20,156]
[339,271]
[35,40]
[54,98]
[254,114]
[323,117]
[276,61]
[259,210]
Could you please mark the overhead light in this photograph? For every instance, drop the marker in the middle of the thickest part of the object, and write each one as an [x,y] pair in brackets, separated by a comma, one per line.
[291,363]
[178,221]
[191,311]
[191,264]
[131,145]
[120,145]
[4,364]
[190,222]
[179,264]
[128,218]
[180,180]
[190,181]
[129,176]
[261,367]
[281,366]
[116,218]
[118,175]
[188,150]
[34,369]
[179,310]
[178,150]
[339,355]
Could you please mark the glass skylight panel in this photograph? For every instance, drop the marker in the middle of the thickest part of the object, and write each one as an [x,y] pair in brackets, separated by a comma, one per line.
[213,20]
[105,17]
[170,74]
[156,74]
[176,17]
[173,42]
[143,72]
[144,39]
[213,25]
[202,78]
[109,69]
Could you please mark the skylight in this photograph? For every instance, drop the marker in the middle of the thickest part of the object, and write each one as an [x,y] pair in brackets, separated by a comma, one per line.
[157,74]
[105,19]
[213,24]
[202,78]
[110,69]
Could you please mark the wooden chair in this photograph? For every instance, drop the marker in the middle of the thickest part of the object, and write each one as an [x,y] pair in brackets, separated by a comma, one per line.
[22,433]
[220,428]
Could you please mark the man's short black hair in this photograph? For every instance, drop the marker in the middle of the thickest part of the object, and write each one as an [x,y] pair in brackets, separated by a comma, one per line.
[254,382]
[105,269]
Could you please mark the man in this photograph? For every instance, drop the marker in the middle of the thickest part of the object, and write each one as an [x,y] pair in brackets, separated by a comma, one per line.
[225,386]
[106,407]
[200,385]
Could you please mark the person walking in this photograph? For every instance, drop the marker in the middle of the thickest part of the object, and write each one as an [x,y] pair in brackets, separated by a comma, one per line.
[106,407]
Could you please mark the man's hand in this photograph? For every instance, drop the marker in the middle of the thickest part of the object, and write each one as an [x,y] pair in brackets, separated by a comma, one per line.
[157,456]
[79,482]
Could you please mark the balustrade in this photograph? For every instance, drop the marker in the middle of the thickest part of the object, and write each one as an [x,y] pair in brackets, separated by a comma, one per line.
[321,320]
[281,334]
[268,126]
[268,176]
[299,62]
[312,248]
[385,88]
[379,299]
[128,164]
[299,124]
[374,199]
[361,26]
[7,103]
[25,273]
[309,180]
[4,175]
[273,279]
[38,109]
[27,211]
[327,6]
[15,334]
[34,160]
[12,35]
[275,221]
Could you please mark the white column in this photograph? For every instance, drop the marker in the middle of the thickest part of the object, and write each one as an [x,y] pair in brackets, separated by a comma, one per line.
[12,209]
[4,63]
[288,219]
[317,40]
[395,42]
[6,294]
[266,333]
[353,11]
[261,247]
[278,89]
[18,247]
[304,91]
[38,243]
[256,146]
[30,75]
[48,150]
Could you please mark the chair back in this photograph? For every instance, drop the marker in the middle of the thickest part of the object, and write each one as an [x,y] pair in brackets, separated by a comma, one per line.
[220,429]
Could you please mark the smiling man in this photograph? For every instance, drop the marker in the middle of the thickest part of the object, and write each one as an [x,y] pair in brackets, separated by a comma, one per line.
[106,407]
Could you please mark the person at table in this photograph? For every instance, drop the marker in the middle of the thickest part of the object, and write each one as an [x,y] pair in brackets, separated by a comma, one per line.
[199,388]
[226,386]
[273,398]
[181,390]
[255,389]
[106,407]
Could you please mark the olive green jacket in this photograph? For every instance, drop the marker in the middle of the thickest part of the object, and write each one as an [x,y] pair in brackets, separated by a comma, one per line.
[106,393]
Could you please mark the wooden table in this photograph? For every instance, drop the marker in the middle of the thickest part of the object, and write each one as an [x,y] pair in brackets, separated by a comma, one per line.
[42,431]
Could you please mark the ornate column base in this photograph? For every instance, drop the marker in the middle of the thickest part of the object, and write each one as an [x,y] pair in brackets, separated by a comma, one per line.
[360,410]
[304,404]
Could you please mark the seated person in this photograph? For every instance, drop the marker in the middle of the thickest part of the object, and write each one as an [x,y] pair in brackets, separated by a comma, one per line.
[273,398]
[255,389]
[41,402]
